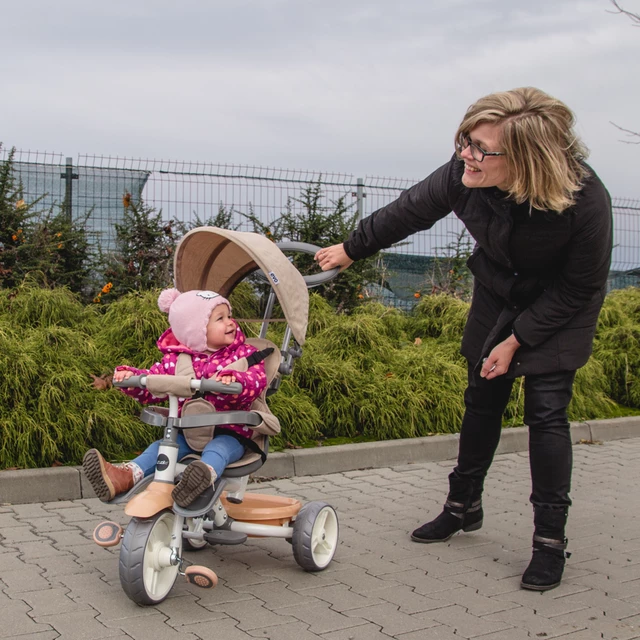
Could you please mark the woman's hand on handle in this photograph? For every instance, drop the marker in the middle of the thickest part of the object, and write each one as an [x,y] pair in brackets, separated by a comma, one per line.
[332,257]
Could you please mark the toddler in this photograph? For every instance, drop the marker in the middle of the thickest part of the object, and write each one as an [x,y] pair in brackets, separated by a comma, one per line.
[201,326]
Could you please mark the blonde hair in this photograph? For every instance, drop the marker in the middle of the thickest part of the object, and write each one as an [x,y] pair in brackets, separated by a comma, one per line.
[544,155]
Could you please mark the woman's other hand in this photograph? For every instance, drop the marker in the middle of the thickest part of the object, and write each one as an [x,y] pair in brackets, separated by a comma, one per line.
[498,361]
[332,257]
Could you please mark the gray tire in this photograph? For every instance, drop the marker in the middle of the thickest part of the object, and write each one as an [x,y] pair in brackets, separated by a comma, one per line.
[146,575]
[315,536]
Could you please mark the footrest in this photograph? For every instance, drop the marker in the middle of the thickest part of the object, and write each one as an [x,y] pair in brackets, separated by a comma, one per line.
[107,534]
[224,536]
[201,577]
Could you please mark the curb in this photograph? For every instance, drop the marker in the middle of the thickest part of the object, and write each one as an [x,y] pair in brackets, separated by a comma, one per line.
[69,483]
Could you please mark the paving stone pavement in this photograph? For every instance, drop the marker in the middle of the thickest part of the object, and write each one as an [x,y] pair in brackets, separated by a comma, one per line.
[56,583]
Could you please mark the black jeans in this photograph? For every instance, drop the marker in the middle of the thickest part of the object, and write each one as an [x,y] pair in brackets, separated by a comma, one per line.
[545,413]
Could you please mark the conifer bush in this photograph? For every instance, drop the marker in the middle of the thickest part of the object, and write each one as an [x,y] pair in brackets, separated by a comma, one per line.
[375,374]
[617,346]
[49,411]
[43,241]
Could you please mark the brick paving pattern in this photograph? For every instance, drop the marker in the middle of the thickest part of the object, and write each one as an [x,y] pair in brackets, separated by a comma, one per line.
[56,583]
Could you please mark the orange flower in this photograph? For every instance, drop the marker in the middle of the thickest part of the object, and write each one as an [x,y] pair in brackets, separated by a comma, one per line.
[14,237]
[59,235]
[60,245]
[20,204]
[107,287]
[360,296]
[417,295]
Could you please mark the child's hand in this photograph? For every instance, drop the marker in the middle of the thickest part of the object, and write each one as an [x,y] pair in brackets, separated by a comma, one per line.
[226,379]
[119,376]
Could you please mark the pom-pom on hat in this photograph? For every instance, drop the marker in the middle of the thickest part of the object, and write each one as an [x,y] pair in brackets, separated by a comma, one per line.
[189,314]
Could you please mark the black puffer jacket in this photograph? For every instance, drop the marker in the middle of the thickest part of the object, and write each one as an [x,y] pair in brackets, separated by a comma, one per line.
[541,275]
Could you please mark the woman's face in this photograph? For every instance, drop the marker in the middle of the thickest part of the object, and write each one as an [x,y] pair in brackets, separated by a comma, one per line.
[492,171]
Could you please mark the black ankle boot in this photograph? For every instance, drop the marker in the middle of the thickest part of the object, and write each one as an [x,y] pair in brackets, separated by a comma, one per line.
[453,518]
[547,564]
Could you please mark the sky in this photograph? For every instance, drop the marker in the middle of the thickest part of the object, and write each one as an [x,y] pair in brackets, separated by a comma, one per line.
[364,87]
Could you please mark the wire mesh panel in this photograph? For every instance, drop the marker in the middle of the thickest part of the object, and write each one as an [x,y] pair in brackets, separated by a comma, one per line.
[626,236]
[190,191]
[195,192]
[91,194]
[101,193]
[37,175]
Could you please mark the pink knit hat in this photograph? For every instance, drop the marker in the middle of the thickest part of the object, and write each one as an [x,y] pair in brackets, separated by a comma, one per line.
[189,314]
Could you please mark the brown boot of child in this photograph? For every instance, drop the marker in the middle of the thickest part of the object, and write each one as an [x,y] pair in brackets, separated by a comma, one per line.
[106,479]
[196,479]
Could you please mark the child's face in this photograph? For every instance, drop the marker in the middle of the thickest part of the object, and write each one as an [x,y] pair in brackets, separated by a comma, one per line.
[221,330]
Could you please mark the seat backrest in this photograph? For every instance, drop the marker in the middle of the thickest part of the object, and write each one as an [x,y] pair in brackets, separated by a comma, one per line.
[270,423]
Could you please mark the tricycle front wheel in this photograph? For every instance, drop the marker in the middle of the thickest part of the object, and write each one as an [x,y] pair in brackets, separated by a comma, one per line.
[147,561]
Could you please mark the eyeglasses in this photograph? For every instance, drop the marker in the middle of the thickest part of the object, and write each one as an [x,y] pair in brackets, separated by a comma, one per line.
[478,153]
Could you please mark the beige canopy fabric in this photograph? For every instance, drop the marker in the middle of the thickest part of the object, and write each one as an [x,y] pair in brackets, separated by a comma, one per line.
[209,258]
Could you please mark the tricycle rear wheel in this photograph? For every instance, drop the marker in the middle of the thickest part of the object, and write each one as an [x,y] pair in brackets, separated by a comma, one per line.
[315,536]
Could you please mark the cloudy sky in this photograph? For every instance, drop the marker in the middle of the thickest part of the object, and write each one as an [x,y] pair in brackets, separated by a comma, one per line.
[368,87]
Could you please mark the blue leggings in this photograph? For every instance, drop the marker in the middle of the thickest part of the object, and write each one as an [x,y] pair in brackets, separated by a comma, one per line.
[219,452]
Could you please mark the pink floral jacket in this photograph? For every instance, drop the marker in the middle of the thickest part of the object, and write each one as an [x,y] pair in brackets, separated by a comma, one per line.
[207,365]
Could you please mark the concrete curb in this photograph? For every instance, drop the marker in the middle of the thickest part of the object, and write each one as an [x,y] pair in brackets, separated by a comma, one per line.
[69,483]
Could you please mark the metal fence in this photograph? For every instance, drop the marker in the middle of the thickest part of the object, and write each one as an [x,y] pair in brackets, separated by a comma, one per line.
[188,191]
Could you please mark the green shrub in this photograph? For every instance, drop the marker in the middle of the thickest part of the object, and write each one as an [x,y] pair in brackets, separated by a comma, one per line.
[49,411]
[617,346]
[375,374]
[32,305]
[438,316]
[130,328]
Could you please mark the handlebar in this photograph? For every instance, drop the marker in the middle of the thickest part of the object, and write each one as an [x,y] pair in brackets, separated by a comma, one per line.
[304,247]
[206,385]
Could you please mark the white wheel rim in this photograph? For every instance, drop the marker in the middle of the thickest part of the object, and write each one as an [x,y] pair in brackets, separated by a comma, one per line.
[157,571]
[324,537]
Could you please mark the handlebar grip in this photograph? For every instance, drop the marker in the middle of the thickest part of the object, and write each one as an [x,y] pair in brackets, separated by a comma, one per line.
[132,382]
[212,386]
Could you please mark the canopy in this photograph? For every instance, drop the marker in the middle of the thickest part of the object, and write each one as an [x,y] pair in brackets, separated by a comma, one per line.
[210,258]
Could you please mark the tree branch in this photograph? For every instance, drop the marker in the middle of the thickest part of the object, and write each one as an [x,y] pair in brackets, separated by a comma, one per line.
[634,17]
[630,134]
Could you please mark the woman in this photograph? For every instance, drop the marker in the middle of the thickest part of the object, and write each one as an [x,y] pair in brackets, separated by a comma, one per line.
[542,223]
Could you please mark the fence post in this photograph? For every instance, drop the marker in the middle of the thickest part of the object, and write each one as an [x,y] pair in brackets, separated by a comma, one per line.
[360,196]
[69,177]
